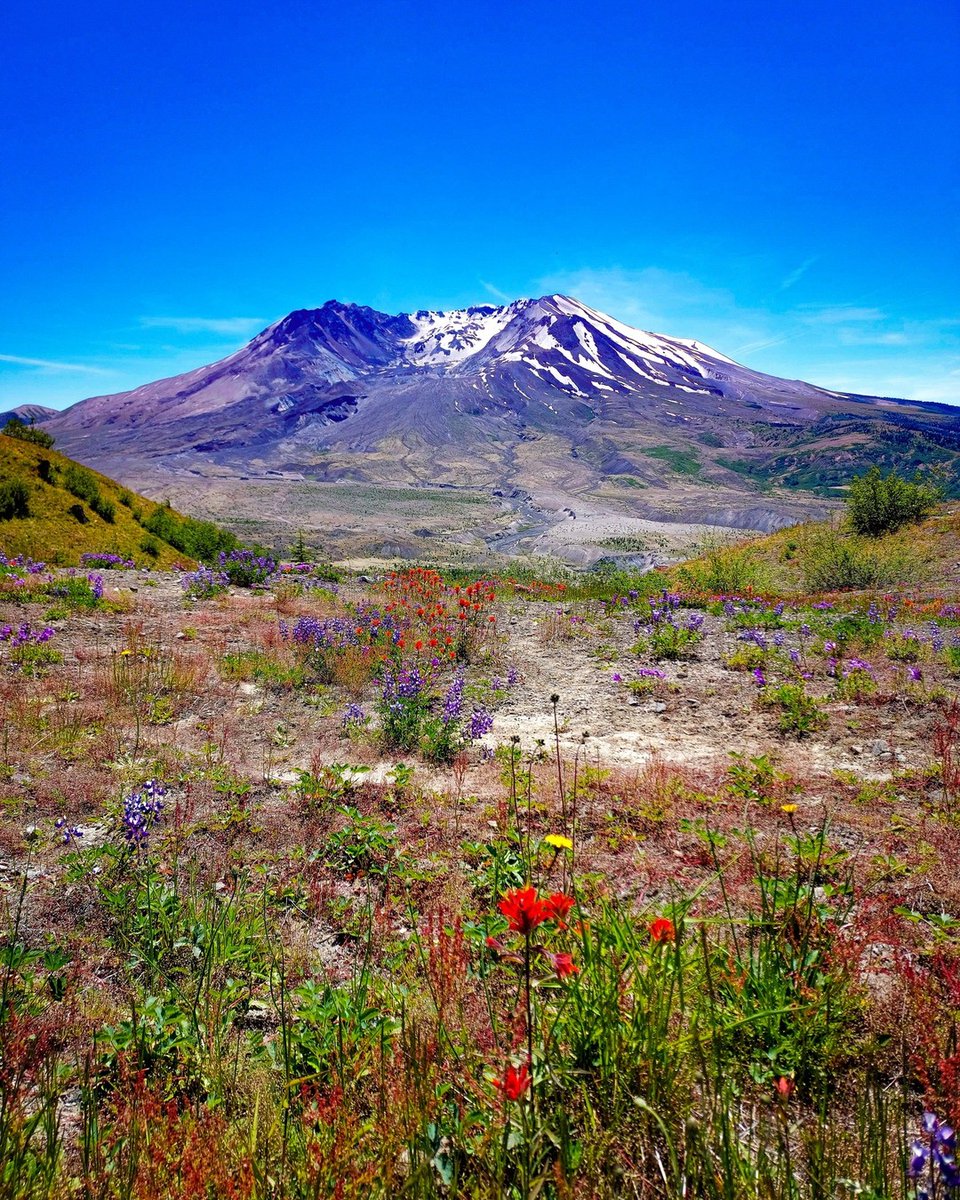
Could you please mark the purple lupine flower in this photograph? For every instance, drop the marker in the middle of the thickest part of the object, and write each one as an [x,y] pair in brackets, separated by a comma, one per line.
[141,811]
[480,723]
[354,715]
[934,1155]
[513,676]
[651,673]
[106,561]
[453,701]
[759,677]
[71,833]
[795,657]
[96,586]
[914,673]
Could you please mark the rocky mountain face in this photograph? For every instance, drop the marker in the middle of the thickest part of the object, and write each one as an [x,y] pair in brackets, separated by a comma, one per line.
[538,392]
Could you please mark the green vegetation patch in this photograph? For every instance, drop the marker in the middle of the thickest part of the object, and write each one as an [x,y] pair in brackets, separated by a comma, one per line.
[684,462]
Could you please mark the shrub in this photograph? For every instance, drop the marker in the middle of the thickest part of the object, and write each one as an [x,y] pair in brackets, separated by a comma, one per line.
[103,508]
[833,561]
[199,539]
[80,483]
[879,504]
[27,433]
[14,500]
[46,470]
[725,570]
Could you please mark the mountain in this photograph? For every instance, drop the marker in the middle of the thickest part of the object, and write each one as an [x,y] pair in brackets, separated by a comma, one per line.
[29,413]
[542,393]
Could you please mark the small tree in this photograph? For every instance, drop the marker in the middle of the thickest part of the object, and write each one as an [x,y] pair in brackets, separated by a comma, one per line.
[879,504]
[27,433]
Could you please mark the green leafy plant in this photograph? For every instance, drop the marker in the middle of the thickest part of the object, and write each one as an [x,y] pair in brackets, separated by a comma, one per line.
[799,715]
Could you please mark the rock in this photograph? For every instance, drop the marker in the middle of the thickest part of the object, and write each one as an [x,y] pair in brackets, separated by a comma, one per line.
[879,748]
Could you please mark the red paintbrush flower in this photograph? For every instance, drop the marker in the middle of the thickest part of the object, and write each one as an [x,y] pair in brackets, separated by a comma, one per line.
[663,930]
[523,910]
[564,965]
[515,1081]
[558,906]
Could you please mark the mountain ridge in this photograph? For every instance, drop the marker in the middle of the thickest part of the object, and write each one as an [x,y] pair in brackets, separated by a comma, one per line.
[543,394]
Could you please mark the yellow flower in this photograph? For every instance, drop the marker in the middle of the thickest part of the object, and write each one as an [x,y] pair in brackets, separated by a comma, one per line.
[558,841]
[788,808]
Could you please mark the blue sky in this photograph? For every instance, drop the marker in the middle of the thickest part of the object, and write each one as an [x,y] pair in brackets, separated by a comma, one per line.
[780,181]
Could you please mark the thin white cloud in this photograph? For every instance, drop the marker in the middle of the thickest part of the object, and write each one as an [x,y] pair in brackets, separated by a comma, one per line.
[49,365]
[753,347]
[796,275]
[231,327]
[496,293]
[874,337]
[838,314]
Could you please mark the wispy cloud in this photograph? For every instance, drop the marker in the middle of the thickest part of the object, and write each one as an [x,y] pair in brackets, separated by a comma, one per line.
[798,273]
[753,347]
[49,365]
[496,293]
[838,314]
[230,327]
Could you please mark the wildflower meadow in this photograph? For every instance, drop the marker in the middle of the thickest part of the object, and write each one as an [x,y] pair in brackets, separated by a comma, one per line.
[438,884]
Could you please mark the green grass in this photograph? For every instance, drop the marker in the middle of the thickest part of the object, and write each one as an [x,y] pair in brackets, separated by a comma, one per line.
[684,462]
[62,525]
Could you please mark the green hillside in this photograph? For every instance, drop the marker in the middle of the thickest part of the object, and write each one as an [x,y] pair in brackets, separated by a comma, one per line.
[55,510]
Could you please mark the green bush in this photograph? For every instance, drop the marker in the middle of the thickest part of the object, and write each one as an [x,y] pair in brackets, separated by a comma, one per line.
[725,570]
[27,433]
[879,504]
[80,483]
[14,500]
[834,561]
[199,539]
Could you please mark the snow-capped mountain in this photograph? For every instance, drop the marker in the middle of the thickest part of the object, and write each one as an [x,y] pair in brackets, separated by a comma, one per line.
[491,394]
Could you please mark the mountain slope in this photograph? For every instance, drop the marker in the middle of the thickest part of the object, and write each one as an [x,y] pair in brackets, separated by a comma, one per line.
[544,389]
[66,510]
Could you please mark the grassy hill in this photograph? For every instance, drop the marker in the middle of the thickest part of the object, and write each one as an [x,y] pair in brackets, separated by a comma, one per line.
[53,509]
[827,556]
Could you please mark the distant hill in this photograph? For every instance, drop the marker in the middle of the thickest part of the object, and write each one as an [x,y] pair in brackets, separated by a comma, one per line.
[54,510]
[28,413]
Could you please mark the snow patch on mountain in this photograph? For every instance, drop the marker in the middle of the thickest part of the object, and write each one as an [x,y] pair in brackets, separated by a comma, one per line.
[445,338]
